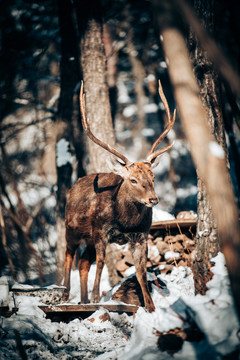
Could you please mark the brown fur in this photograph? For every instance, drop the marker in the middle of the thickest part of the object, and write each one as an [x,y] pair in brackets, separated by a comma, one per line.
[104,208]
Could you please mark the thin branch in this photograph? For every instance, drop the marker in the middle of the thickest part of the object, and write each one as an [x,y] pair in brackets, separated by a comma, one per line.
[6,162]
[24,125]
[35,213]
[14,133]
[28,240]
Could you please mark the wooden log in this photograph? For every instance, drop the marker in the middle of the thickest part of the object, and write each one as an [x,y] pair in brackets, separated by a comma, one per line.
[69,312]
[174,224]
[89,307]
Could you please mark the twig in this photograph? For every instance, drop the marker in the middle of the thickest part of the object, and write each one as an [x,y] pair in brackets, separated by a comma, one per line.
[28,240]
[35,213]
[22,208]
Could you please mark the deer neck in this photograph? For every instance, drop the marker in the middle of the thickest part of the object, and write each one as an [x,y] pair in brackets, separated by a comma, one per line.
[130,213]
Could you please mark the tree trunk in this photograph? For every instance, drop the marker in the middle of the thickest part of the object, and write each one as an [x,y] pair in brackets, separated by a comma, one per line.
[69,72]
[93,65]
[207,242]
[138,73]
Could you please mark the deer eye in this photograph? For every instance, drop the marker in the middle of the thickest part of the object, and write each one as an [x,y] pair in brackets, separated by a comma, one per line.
[133,181]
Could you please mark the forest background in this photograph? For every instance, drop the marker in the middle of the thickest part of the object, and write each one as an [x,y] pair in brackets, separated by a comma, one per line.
[47,48]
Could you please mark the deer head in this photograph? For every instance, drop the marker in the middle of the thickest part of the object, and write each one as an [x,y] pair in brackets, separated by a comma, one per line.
[138,176]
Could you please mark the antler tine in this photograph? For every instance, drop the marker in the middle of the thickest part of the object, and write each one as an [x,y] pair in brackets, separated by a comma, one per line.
[170,122]
[159,152]
[86,127]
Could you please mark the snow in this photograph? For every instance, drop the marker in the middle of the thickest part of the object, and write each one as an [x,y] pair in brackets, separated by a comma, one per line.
[150,78]
[124,337]
[63,153]
[163,64]
[123,96]
[171,255]
[161,215]
[190,190]
[4,292]
[130,110]
[216,150]
[150,108]
[148,132]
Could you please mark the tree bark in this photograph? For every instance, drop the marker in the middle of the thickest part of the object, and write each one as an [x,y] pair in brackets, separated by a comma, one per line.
[93,65]
[98,111]
[210,46]
[207,242]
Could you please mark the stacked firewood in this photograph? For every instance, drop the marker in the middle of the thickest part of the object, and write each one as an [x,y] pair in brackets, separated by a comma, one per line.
[164,252]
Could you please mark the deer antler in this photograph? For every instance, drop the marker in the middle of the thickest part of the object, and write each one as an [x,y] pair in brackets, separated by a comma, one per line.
[90,134]
[170,121]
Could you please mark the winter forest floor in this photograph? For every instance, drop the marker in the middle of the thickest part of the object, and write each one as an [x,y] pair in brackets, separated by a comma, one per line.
[184,326]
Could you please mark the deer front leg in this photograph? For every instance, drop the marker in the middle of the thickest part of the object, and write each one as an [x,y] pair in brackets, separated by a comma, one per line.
[138,246]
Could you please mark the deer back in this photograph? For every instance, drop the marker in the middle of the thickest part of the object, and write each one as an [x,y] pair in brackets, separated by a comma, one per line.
[112,201]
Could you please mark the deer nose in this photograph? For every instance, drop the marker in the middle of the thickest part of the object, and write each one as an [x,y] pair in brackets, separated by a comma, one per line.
[153,201]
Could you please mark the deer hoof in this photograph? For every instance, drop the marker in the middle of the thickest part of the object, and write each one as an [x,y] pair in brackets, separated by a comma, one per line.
[150,307]
[95,299]
[65,296]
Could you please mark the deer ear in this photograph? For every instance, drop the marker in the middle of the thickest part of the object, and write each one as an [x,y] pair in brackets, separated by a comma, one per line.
[121,169]
[107,180]
[148,163]
[155,162]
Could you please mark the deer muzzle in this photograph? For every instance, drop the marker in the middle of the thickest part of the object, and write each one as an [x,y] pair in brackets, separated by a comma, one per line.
[152,201]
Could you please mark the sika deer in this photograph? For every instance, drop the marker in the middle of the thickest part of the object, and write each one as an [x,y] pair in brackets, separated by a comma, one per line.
[107,207]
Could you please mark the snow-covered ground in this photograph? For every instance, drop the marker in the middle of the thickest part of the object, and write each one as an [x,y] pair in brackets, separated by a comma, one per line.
[124,337]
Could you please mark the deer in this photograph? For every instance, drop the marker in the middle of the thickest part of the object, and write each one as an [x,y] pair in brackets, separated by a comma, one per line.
[113,207]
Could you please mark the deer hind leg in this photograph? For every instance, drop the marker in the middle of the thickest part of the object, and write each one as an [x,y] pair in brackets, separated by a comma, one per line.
[85,262]
[139,253]
[67,271]
[100,260]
